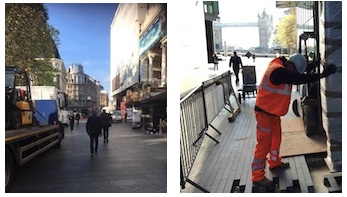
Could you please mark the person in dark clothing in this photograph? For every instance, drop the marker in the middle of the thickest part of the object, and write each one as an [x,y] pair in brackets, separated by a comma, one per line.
[272,102]
[93,127]
[77,118]
[72,122]
[53,119]
[236,61]
[281,75]
[215,61]
[105,124]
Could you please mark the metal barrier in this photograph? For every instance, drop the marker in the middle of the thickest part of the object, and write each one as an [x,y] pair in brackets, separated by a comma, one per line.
[198,109]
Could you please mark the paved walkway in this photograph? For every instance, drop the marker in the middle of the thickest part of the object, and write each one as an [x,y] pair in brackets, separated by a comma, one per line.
[132,162]
[226,167]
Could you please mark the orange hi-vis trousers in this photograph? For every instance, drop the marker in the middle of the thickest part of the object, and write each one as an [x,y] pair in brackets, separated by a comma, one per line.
[269,135]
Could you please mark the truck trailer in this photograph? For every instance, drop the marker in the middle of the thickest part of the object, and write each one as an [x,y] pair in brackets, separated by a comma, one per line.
[25,136]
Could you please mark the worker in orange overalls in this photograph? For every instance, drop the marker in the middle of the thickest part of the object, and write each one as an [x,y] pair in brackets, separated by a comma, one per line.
[273,100]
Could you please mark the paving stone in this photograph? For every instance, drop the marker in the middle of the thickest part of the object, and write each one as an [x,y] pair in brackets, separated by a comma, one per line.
[131,160]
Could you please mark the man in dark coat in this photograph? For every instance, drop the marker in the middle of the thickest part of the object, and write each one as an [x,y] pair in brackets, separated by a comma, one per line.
[236,62]
[105,124]
[93,129]
[72,121]
[53,119]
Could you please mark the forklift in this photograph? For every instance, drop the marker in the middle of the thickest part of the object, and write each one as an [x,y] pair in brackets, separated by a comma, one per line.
[19,105]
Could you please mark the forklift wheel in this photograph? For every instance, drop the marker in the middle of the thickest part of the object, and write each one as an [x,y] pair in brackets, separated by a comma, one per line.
[16,120]
[295,108]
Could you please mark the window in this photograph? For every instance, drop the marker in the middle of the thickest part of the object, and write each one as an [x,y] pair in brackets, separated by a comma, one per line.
[211,7]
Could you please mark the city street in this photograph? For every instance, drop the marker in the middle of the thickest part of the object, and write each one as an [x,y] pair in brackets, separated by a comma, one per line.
[133,161]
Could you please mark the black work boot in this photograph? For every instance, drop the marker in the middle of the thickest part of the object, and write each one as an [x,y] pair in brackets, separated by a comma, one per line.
[264,182]
[283,165]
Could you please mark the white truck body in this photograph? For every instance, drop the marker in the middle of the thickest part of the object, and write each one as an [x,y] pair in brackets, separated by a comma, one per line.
[51,93]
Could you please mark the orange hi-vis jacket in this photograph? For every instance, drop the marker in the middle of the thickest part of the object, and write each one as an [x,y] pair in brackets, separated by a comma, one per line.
[274,99]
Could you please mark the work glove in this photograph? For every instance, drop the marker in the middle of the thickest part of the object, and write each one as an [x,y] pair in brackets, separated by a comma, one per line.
[329,69]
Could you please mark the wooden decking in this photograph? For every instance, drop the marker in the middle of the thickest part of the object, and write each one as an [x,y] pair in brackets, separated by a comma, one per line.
[226,167]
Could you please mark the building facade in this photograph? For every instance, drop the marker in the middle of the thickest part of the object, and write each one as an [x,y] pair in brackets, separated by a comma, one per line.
[83,91]
[60,74]
[211,11]
[139,62]
[103,98]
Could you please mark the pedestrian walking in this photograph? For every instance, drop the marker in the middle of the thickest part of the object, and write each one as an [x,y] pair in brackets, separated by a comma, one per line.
[105,124]
[72,121]
[272,102]
[77,118]
[253,57]
[236,62]
[215,61]
[93,128]
[53,120]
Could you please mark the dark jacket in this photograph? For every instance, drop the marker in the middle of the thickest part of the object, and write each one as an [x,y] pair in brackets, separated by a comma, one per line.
[93,125]
[105,119]
[282,75]
[77,117]
[53,118]
[236,62]
[215,58]
[72,119]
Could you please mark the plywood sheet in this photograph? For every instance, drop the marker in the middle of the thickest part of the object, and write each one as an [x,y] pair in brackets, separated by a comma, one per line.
[295,141]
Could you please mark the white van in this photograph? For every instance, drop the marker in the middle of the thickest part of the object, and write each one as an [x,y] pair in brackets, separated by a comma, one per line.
[116,116]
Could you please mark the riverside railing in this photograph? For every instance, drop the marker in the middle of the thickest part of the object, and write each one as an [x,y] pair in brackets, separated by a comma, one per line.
[198,109]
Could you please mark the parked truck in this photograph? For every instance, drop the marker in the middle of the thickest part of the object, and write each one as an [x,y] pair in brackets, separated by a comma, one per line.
[25,136]
[54,95]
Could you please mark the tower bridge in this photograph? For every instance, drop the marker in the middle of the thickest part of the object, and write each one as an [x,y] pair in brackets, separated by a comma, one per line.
[264,24]
[236,24]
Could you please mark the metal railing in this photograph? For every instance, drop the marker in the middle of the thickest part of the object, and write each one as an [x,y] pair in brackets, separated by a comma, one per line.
[198,109]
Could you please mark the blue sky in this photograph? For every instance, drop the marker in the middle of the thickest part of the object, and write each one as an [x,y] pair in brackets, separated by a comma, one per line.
[84,36]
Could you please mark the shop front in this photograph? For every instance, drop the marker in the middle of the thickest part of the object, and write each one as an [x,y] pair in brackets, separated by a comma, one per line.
[152,52]
[154,113]
[153,72]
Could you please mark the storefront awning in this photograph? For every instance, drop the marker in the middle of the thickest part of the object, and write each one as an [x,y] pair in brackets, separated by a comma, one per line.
[155,99]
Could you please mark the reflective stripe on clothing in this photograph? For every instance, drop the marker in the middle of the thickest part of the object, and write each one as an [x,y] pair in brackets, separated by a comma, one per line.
[287,90]
[258,164]
[263,129]
[268,141]
[274,155]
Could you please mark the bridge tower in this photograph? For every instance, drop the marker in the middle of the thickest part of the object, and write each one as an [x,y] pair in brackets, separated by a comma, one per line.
[265,25]
[265,28]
